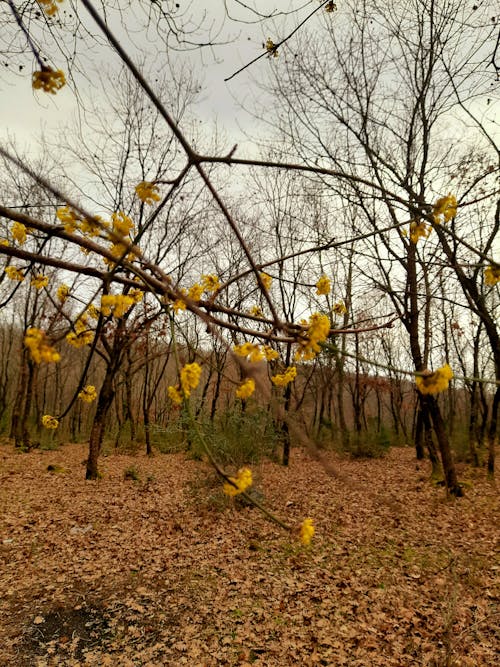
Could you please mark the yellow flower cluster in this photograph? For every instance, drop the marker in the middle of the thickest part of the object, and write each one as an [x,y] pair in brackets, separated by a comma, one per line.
[256,311]
[116,304]
[254,352]
[175,395]
[39,348]
[88,394]
[266,280]
[13,273]
[240,483]
[492,275]
[306,532]
[40,281]
[271,47]
[147,192]
[317,331]
[323,286]
[282,379]
[49,6]
[446,207]
[62,293]
[82,336]
[419,230]
[19,232]
[190,378]
[4,242]
[72,221]
[195,292]
[50,422]
[210,282]
[339,308]
[434,383]
[178,305]
[48,80]
[246,389]
[121,223]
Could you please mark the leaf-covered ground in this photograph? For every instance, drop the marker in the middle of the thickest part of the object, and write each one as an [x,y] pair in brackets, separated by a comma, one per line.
[165,570]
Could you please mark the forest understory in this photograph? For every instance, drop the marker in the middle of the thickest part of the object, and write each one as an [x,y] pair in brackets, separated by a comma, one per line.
[153,565]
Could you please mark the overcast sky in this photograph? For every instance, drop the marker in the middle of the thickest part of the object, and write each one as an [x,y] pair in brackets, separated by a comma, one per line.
[26,114]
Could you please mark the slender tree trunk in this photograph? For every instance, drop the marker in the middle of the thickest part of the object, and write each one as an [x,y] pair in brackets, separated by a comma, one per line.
[104,402]
[450,474]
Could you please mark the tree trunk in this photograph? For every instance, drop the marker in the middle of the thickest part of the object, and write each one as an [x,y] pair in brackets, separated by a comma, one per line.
[104,402]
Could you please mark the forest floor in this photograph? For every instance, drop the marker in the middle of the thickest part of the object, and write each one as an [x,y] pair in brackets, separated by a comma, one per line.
[166,570]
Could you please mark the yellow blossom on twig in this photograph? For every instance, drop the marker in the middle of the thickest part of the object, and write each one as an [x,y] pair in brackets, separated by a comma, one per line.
[147,192]
[323,286]
[256,311]
[190,377]
[271,47]
[240,483]
[13,273]
[62,292]
[19,232]
[317,331]
[434,383]
[175,395]
[419,230]
[266,280]
[282,379]
[306,531]
[49,6]
[339,308]
[88,394]
[210,282]
[252,351]
[246,389]
[116,304]
[40,281]
[446,207]
[48,80]
[492,275]
[50,422]
[40,350]
[195,292]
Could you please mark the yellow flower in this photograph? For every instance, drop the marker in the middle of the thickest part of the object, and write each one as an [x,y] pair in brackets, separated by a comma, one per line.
[190,377]
[266,280]
[175,395]
[50,422]
[49,6]
[147,192]
[116,304]
[210,282]
[270,354]
[19,232]
[48,80]
[39,348]
[271,47]
[92,226]
[178,305]
[40,281]
[92,311]
[419,230]
[80,338]
[250,350]
[433,383]
[122,224]
[4,242]
[69,218]
[88,394]
[339,308]
[282,379]
[323,286]
[62,292]
[317,332]
[256,311]
[246,389]
[446,207]
[492,275]
[13,273]
[136,294]
[306,531]
[195,292]
[241,482]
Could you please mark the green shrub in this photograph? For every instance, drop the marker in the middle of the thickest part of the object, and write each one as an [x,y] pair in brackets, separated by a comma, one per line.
[132,473]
